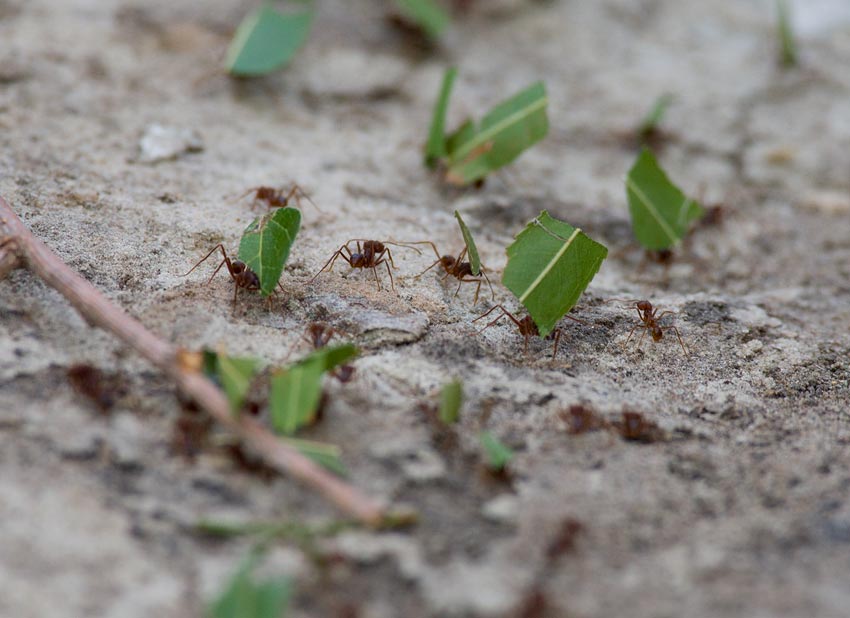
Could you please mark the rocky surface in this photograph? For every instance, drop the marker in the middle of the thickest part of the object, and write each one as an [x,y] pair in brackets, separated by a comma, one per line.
[741,507]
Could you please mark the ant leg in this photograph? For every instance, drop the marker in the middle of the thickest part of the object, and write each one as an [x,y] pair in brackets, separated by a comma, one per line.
[203,259]
[557,333]
[459,283]
[490,285]
[427,269]
[390,255]
[580,321]
[330,263]
[461,256]
[218,268]
[679,337]
[295,191]
[390,273]
[632,332]
[642,335]
[477,291]
[375,272]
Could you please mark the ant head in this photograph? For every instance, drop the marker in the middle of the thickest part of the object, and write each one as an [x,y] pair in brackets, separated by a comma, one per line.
[656,333]
[447,261]
[644,306]
[238,267]
[528,327]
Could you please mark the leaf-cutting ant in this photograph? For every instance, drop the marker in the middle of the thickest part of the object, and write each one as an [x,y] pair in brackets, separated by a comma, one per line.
[278,198]
[243,277]
[649,318]
[460,270]
[527,327]
[318,335]
[372,254]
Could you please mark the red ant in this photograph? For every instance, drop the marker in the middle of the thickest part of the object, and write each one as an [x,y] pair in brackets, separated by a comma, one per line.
[460,270]
[278,198]
[371,255]
[649,318]
[242,276]
[318,335]
[527,327]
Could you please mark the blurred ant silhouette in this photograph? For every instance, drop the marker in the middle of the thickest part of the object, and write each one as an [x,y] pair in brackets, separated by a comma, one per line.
[278,198]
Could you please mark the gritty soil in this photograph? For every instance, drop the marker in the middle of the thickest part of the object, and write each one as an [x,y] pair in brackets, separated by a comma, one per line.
[736,504]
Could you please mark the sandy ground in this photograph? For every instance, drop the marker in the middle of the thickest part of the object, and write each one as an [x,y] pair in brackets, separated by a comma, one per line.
[742,508]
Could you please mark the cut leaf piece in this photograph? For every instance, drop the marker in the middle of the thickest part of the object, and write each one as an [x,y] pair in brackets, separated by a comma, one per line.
[234,375]
[295,392]
[661,213]
[498,454]
[471,249]
[266,243]
[787,42]
[246,598]
[503,134]
[655,115]
[324,454]
[435,149]
[266,40]
[451,398]
[550,263]
[426,14]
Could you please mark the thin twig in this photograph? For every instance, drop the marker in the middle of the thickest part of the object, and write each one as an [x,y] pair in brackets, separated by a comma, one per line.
[19,248]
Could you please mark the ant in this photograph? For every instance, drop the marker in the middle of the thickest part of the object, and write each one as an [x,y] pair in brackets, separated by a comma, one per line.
[460,270]
[318,335]
[649,318]
[243,277]
[278,198]
[527,327]
[372,254]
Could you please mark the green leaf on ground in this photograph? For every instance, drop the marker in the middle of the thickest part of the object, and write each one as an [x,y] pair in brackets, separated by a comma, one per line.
[266,243]
[296,391]
[502,135]
[459,136]
[234,375]
[471,249]
[324,454]
[435,149]
[787,42]
[653,118]
[426,14]
[245,597]
[498,454]
[266,40]
[451,398]
[661,213]
[550,263]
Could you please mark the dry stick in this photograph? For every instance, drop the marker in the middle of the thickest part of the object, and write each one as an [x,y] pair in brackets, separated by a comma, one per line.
[19,248]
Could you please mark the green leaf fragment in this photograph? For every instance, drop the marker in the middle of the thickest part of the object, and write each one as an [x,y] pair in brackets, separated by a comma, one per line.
[324,454]
[266,40]
[656,114]
[459,136]
[498,454]
[502,135]
[661,213]
[426,14]
[451,398]
[471,249]
[266,243]
[296,392]
[787,42]
[233,374]
[550,263]
[435,149]
[245,597]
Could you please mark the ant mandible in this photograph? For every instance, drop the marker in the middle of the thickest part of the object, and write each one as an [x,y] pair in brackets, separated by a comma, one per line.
[243,277]
[278,198]
[460,270]
[649,318]
[527,327]
[372,254]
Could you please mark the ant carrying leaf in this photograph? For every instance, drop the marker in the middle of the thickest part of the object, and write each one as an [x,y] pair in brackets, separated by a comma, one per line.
[464,272]
[527,327]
